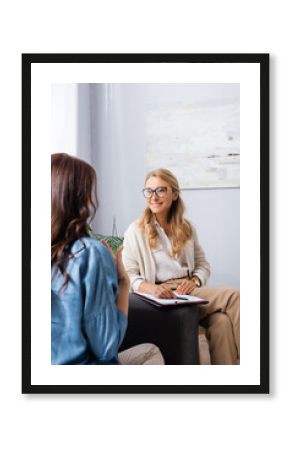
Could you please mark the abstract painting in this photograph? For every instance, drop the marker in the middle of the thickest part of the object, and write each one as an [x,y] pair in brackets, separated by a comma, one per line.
[198,142]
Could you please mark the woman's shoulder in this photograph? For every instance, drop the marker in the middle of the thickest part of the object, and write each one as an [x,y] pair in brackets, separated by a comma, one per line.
[190,224]
[86,245]
[88,253]
[133,228]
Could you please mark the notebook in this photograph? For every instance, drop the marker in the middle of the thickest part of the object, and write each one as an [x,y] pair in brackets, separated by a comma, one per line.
[180,299]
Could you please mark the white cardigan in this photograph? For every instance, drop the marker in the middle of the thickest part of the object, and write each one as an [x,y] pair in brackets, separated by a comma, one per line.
[139,262]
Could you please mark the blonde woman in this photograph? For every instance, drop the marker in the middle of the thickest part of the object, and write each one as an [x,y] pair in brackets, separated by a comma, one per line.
[162,255]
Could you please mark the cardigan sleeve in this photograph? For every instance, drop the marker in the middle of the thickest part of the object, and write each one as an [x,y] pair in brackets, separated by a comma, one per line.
[201,265]
[132,258]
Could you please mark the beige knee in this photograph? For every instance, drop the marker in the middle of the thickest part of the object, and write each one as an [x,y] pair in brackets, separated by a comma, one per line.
[141,354]
[218,320]
[221,339]
[153,355]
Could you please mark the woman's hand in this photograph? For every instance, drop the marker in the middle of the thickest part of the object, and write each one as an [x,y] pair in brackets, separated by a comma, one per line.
[122,300]
[122,274]
[186,287]
[162,291]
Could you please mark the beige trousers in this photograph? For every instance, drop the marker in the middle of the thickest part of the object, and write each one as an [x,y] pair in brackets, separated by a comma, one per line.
[141,354]
[221,319]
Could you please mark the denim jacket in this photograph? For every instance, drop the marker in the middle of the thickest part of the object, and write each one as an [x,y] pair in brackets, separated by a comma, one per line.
[86,326]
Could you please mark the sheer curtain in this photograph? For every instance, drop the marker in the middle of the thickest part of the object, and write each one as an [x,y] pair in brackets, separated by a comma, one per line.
[101,124]
[118,154]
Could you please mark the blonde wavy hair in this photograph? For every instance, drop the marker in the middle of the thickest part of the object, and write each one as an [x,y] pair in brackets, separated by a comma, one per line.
[180,230]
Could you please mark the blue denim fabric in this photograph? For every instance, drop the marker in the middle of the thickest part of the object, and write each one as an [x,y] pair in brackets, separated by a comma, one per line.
[86,326]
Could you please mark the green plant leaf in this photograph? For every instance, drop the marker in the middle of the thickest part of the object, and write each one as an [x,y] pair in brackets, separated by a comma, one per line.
[113,241]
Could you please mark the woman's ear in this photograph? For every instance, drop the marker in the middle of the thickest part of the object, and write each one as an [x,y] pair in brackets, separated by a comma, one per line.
[175,196]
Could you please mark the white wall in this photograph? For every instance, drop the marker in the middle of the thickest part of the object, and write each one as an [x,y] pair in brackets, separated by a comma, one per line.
[110,134]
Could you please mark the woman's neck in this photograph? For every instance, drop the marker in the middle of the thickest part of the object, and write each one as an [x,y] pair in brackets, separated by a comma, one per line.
[162,220]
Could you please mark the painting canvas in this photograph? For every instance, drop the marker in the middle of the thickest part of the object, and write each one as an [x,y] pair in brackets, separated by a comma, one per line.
[199,141]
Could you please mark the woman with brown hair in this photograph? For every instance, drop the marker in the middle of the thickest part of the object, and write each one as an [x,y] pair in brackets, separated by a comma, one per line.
[162,255]
[89,286]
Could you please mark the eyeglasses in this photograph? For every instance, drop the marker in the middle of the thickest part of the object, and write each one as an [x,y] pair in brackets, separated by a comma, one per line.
[160,192]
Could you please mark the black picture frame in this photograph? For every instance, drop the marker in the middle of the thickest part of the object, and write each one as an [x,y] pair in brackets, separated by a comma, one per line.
[247,58]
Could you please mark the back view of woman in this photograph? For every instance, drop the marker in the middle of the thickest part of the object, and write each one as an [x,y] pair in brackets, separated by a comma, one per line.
[89,287]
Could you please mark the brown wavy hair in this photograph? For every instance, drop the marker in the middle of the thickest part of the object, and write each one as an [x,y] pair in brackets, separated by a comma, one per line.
[180,229]
[73,202]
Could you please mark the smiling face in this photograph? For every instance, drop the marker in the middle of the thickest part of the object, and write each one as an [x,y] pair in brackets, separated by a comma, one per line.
[160,205]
